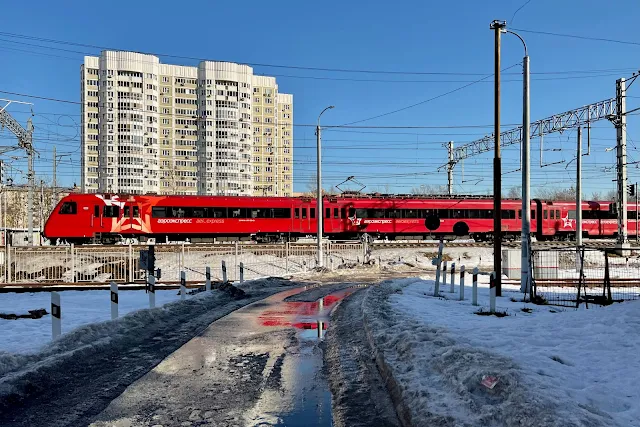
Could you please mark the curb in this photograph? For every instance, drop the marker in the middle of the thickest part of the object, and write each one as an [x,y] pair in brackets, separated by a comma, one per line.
[402,410]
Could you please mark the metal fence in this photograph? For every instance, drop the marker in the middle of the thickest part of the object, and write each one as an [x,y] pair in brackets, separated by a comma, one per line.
[119,263]
[569,277]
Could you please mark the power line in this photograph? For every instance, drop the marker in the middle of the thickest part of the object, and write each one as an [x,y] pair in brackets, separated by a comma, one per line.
[574,36]
[422,102]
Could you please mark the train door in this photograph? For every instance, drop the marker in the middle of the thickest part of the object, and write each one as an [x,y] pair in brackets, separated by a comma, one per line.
[331,217]
[97,221]
[538,219]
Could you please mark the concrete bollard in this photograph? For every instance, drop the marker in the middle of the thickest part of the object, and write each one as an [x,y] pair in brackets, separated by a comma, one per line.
[453,278]
[224,272]
[320,329]
[492,293]
[151,285]
[444,274]
[56,316]
[462,283]
[437,263]
[241,272]
[474,292]
[207,278]
[114,300]
[183,285]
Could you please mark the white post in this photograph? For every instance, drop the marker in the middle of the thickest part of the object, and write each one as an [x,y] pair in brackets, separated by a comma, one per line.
[73,263]
[131,262]
[235,260]
[474,292]
[286,258]
[207,276]
[151,282]
[241,272]
[453,277]
[183,285]
[320,304]
[444,273]
[492,293]
[114,300]
[438,262]
[462,283]
[224,272]
[56,316]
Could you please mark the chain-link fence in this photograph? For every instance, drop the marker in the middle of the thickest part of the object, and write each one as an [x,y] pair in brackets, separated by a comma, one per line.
[101,264]
[569,277]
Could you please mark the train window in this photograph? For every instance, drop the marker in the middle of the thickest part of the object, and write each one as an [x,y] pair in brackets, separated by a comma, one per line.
[327,212]
[313,213]
[552,215]
[508,214]
[158,212]
[533,214]
[176,212]
[297,213]
[352,212]
[411,213]
[336,212]
[371,213]
[127,211]
[519,213]
[304,213]
[572,214]
[281,213]
[558,215]
[458,213]
[96,211]
[69,208]
[199,212]
[111,211]
[237,212]
[217,212]
[630,215]
[362,213]
[344,212]
[545,214]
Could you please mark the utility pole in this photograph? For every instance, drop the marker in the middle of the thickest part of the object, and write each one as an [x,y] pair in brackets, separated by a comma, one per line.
[54,168]
[636,191]
[621,137]
[30,175]
[578,198]
[450,168]
[498,27]
[525,279]
[320,214]
[41,209]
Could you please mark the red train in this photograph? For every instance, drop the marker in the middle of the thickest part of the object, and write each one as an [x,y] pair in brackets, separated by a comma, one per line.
[105,218]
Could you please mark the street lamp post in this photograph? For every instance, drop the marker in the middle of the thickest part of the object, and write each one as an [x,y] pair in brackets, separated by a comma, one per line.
[319,217]
[525,279]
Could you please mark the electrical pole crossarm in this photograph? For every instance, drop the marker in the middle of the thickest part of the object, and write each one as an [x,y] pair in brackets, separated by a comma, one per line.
[570,119]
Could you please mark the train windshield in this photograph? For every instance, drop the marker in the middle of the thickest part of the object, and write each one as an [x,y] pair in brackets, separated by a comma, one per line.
[69,208]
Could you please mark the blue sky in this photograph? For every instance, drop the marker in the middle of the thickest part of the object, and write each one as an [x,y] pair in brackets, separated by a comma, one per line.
[452,38]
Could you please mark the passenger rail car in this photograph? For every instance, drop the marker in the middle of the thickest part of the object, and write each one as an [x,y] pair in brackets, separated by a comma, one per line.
[106,218]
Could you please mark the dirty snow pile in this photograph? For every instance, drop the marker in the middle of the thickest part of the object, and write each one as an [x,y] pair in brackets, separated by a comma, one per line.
[554,366]
[78,308]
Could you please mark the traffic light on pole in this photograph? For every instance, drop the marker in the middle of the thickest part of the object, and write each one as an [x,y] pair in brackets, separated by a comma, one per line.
[631,190]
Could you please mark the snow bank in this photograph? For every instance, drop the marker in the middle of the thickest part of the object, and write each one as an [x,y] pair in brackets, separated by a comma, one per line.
[78,308]
[173,321]
[555,368]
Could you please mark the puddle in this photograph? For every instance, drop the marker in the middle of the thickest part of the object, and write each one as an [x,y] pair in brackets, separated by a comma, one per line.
[304,398]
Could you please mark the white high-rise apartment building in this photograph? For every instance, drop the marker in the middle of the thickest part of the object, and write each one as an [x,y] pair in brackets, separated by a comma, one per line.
[214,129]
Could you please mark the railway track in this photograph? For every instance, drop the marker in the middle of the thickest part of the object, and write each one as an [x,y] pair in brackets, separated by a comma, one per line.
[599,243]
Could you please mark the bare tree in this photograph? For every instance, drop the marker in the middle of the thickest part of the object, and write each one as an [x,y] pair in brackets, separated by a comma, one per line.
[425,190]
[514,192]
[556,193]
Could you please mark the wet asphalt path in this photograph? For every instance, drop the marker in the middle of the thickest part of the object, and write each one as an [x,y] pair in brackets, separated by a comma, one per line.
[261,365]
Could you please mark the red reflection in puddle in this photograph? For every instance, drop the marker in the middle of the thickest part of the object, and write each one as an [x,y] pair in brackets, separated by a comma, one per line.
[301,315]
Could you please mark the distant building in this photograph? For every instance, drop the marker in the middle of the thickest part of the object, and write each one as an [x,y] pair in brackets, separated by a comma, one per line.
[214,129]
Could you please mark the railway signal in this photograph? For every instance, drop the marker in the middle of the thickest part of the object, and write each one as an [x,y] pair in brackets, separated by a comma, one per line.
[631,190]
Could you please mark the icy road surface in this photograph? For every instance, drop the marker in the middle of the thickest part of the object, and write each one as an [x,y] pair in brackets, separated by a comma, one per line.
[260,365]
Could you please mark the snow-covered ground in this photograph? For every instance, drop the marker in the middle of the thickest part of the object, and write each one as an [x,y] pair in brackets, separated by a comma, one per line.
[77,307]
[555,366]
